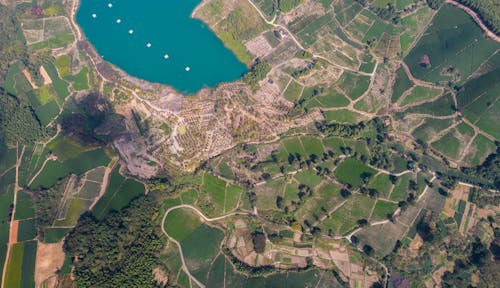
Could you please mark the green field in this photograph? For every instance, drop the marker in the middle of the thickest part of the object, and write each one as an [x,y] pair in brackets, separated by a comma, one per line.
[80,80]
[27,230]
[216,189]
[443,106]
[28,266]
[351,172]
[400,191]
[343,116]
[330,99]
[453,39]
[56,170]
[312,145]
[54,235]
[119,193]
[293,91]
[75,209]
[63,65]
[381,183]
[60,85]
[14,274]
[430,127]
[345,218]
[24,206]
[200,248]
[353,85]
[420,93]
[382,209]
[449,145]
[46,113]
[293,146]
[308,177]
[181,223]
[401,84]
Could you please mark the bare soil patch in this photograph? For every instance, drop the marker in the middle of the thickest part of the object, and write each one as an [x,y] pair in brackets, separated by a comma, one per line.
[49,258]
[13,232]
[46,78]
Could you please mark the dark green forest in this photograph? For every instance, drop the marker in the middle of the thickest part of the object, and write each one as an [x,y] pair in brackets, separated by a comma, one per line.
[488,10]
[119,251]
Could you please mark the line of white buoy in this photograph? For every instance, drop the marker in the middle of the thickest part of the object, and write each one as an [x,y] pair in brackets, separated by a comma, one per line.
[131,31]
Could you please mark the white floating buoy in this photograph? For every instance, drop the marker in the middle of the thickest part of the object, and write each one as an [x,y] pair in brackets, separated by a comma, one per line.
[165,56]
[187,68]
[94,15]
[118,21]
[110,5]
[130,31]
[148,45]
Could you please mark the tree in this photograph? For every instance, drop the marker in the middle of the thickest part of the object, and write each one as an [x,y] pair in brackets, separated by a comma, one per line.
[345,193]
[362,222]
[368,249]
[259,242]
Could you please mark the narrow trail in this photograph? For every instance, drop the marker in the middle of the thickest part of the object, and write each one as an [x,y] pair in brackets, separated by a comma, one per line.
[14,204]
[206,219]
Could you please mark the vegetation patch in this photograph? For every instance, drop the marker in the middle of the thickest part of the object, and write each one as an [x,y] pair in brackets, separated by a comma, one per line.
[353,172]
[452,44]
[119,193]
[181,223]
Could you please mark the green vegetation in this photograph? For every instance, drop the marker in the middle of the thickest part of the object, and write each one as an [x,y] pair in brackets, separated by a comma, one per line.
[343,116]
[420,93]
[18,123]
[293,91]
[383,209]
[433,54]
[488,12]
[75,209]
[181,223]
[63,65]
[288,5]
[54,235]
[14,274]
[24,206]
[123,248]
[119,193]
[257,72]
[401,84]
[353,172]
[27,230]
[28,266]
[354,85]
[56,170]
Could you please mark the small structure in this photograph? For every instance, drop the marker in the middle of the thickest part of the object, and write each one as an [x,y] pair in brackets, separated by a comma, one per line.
[118,21]
[187,68]
[148,45]
[94,15]
[130,31]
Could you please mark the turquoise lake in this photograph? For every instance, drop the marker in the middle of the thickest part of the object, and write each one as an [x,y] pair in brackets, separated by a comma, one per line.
[183,52]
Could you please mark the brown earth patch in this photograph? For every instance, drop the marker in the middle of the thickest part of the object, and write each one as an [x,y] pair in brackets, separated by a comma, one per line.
[49,258]
[46,78]
[13,231]
[28,77]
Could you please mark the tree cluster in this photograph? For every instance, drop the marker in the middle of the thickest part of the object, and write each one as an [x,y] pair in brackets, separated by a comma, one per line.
[257,72]
[119,251]
[488,12]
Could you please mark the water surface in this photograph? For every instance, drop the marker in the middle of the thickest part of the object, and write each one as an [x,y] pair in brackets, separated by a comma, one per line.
[170,31]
